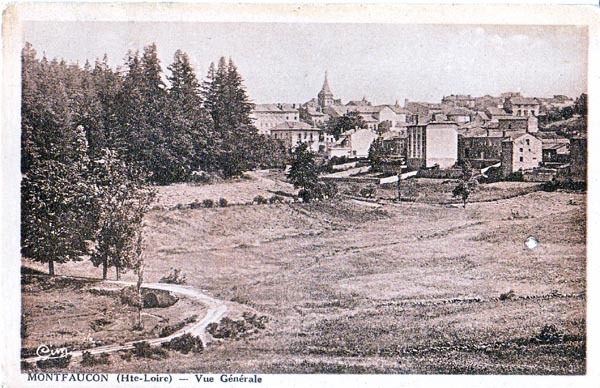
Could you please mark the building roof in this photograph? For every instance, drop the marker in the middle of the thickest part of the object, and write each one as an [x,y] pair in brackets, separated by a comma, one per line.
[514,136]
[266,108]
[524,101]
[399,109]
[513,118]
[294,125]
[279,108]
[554,146]
[459,112]
[313,112]
[493,111]
[482,115]
[481,132]
[338,110]
[362,102]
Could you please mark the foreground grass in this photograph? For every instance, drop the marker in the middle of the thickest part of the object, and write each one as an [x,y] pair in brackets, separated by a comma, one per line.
[410,288]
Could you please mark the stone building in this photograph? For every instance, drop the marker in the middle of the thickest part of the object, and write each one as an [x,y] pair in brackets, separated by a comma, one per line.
[293,133]
[520,152]
[268,116]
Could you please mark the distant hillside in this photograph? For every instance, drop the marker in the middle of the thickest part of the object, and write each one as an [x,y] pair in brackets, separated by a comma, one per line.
[574,124]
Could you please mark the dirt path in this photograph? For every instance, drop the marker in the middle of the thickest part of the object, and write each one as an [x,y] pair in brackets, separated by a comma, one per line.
[216,310]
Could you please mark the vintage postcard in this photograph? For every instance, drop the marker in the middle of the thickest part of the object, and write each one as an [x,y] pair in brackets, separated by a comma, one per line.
[284,195]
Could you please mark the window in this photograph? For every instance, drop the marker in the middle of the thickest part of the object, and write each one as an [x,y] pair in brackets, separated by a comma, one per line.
[520,158]
[520,149]
[527,141]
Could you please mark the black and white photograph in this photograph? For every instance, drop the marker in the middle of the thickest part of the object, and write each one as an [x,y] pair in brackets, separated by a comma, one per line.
[226,200]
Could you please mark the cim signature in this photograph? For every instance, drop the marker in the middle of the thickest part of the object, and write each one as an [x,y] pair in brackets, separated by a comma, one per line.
[52,352]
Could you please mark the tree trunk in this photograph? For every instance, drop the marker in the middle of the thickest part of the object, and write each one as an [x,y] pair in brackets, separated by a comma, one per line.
[104,268]
[51,268]
[117,272]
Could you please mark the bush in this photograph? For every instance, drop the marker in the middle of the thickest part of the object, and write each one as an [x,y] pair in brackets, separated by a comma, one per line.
[170,329]
[507,295]
[208,203]
[144,350]
[61,362]
[369,191]
[129,296]
[515,177]
[195,205]
[260,200]
[174,277]
[185,344]
[229,328]
[276,199]
[99,324]
[125,355]
[88,359]
[222,202]
[548,335]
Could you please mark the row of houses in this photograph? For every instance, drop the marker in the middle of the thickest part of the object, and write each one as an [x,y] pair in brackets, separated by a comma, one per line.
[486,130]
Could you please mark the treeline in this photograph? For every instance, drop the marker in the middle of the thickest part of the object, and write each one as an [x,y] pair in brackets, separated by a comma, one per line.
[95,139]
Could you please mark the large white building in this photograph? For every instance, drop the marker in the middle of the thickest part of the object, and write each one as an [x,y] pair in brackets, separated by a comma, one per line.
[433,143]
[293,133]
[268,116]
[352,144]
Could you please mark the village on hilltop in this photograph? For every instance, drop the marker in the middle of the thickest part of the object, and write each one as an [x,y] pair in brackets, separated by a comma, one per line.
[538,138]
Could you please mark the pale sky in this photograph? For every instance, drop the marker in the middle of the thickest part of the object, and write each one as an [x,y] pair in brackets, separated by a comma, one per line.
[286,62]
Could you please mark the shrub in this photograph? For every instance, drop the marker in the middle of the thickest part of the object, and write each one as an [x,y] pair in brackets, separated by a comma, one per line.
[170,329]
[88,359]
[276,199]
[144,350]
[185,344]
[222,202]
[229,328]
[515,177]
[200,177]
[125,355]
[129,296]
[99,324]
[328,189]
[260,200]
[61,362]
[548,335]
[507,295]
[174,277]
[195,205]
[208,203]
[368,192]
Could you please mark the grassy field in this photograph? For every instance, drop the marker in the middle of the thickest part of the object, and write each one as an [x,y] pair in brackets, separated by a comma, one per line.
[82,314]
[352,287]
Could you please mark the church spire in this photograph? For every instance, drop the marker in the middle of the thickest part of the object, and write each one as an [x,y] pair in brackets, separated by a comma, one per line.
[326,89]
[325,96]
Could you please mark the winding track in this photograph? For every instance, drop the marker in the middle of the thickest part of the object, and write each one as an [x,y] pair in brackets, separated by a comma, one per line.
[216,309]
